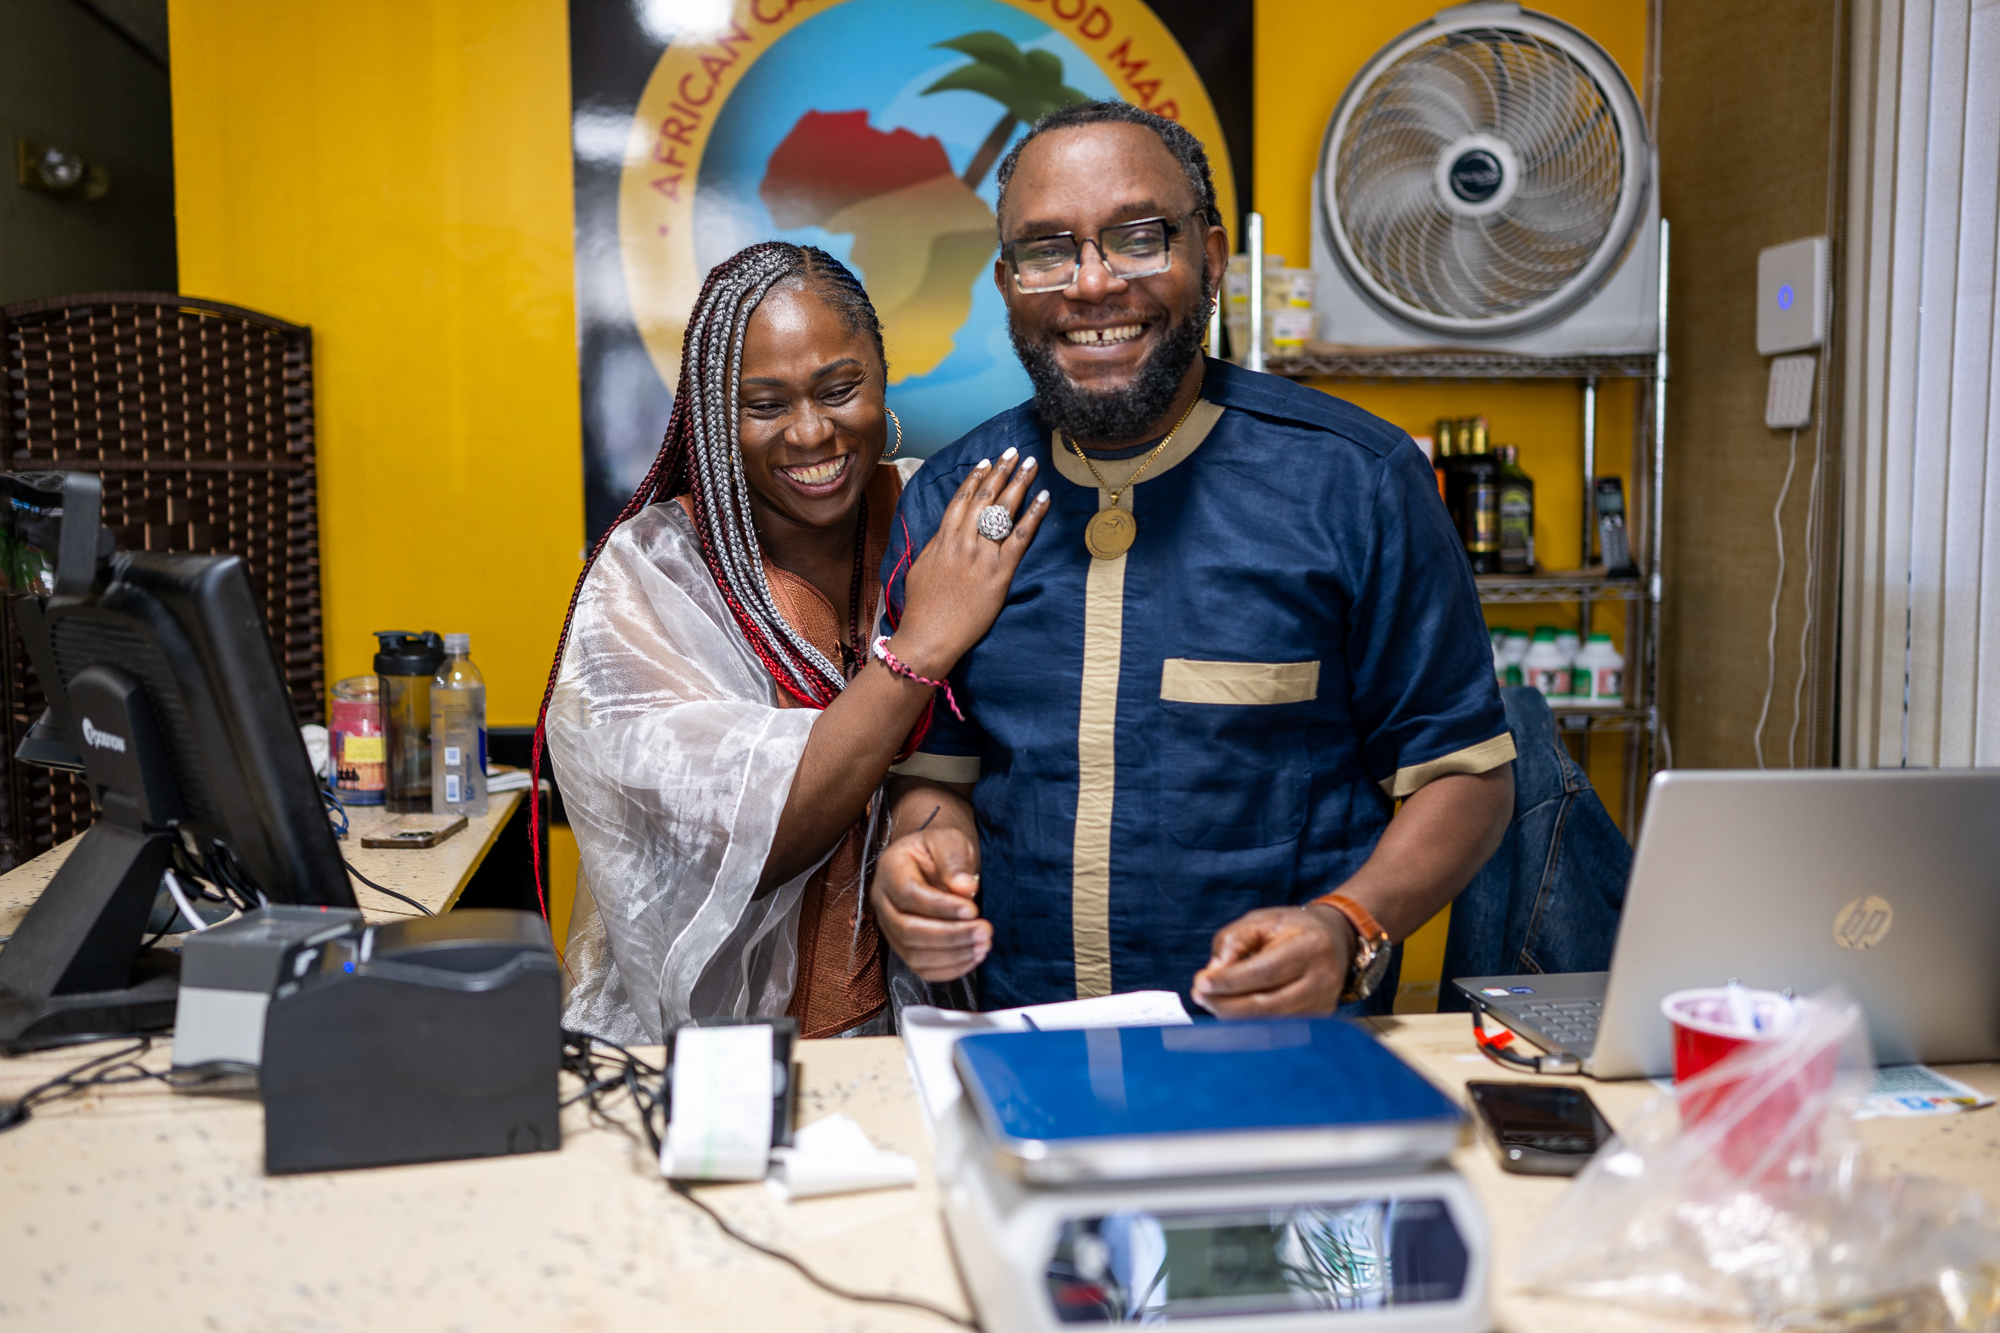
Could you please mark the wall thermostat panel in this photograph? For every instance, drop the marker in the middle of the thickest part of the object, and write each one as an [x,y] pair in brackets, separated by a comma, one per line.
[1791,296]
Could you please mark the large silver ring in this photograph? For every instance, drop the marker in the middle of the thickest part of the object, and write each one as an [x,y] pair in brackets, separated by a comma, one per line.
[995,522]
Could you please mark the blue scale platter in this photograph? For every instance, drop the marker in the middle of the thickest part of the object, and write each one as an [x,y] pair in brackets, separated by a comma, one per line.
[1204,1099]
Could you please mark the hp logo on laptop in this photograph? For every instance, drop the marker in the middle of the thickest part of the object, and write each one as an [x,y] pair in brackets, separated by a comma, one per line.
[1863,923]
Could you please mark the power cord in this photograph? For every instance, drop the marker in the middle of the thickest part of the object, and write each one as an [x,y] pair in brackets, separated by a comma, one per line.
[383,888]
[681,1188]
[336,807]
[1815,514]
[336,810]
[601,1074]
[1777,591]
[106,1070]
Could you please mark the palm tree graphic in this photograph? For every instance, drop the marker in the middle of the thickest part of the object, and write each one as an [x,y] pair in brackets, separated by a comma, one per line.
[1028,83]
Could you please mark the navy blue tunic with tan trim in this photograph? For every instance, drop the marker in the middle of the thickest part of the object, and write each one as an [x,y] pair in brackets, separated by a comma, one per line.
[1220,718]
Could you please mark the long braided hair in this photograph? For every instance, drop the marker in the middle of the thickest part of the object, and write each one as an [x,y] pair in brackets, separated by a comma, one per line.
[699,459]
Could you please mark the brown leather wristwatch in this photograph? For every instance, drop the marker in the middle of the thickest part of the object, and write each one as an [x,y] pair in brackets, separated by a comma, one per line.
[1371,949]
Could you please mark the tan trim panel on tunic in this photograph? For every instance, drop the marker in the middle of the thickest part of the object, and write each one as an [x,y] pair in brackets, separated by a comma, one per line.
[1117,471]
[1097,713]
[939,767]
[1472,759]
[1097,767]
[1186,680]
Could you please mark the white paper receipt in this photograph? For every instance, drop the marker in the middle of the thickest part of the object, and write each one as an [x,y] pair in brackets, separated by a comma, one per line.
[929,1034]
[721,1126]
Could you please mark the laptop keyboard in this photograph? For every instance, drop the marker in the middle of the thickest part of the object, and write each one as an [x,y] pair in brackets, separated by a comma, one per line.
[1573,1023]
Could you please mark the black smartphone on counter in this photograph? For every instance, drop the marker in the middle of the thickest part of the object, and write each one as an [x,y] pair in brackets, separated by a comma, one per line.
[1540,1129]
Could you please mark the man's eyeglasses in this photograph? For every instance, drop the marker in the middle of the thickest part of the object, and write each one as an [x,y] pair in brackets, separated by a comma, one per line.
[1129,250]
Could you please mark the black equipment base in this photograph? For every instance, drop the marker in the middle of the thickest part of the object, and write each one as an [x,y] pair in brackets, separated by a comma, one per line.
[74,967]
[144,1008]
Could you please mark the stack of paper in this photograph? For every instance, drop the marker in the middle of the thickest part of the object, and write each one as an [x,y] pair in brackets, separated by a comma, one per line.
[501,777]
[929,1034]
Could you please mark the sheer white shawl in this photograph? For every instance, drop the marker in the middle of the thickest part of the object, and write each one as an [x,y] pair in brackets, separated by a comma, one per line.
[675,761]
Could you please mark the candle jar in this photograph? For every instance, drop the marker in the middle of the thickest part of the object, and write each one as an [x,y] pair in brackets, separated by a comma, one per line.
[360,751]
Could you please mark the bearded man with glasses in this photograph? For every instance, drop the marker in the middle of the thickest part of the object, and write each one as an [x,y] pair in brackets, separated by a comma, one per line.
[1245,633]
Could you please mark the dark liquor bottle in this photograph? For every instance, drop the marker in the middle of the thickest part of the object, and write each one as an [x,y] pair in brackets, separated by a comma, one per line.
[1479,506]
[1517,514]
[1452,465]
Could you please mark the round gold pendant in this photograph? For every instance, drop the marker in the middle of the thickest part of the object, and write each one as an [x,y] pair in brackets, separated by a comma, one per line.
[1110,533]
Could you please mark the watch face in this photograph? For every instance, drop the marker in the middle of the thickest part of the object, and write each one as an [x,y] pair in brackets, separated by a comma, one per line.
[1368,975]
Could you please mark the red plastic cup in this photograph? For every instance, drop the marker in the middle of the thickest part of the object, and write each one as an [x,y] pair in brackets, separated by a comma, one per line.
[1709,1027]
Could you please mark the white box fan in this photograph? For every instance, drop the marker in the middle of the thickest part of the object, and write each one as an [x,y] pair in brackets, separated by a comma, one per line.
[1488,181]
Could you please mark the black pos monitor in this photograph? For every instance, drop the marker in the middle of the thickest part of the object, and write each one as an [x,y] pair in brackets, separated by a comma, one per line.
[164,690]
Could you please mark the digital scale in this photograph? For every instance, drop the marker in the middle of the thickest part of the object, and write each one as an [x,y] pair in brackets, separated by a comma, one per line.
[1253,1177]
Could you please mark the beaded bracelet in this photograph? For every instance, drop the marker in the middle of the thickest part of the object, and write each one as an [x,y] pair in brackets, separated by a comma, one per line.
[888,659]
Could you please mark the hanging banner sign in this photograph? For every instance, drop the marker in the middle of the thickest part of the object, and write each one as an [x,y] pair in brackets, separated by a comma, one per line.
[870,128]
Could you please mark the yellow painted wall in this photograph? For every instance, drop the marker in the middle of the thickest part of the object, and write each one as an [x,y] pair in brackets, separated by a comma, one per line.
[1307,53]
[396,173]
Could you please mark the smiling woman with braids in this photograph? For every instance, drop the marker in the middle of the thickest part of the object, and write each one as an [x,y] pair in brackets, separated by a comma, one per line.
[719,717]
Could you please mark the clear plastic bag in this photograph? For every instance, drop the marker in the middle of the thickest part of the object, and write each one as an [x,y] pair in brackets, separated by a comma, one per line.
[1746,1192]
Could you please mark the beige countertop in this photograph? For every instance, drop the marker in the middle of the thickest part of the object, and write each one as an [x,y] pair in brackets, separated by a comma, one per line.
[140,1207]
[431,875]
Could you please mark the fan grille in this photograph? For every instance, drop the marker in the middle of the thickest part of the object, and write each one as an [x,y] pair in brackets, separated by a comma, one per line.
[1512,86]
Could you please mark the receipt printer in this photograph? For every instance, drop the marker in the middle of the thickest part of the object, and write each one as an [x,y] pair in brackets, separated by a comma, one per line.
[431,1039]
[228,973]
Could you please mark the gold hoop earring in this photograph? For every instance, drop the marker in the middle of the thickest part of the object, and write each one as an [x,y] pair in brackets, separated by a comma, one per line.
[899,432]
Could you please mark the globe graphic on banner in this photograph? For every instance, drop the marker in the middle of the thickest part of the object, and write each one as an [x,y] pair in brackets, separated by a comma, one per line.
[837,133]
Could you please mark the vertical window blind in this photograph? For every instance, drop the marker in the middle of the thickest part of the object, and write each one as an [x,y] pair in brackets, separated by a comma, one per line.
[1920,600]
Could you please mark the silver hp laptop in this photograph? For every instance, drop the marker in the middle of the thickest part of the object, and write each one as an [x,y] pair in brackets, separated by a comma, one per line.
[1884,881]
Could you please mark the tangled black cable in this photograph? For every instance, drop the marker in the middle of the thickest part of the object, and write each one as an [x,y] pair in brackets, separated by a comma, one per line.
[629,1071]
[335,806]
[106,1070]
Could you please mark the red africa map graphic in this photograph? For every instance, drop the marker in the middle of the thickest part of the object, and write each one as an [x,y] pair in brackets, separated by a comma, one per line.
[921,236]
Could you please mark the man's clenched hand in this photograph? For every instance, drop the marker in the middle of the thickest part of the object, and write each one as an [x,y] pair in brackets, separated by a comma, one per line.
[1277,961]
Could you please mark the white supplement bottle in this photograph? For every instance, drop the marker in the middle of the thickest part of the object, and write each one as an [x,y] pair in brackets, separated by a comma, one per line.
[1514,651]
[1603,666]
[1571,643]
[1544,666]
[458,732]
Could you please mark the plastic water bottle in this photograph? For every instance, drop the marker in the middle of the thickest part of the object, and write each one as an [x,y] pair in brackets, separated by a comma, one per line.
[458,732]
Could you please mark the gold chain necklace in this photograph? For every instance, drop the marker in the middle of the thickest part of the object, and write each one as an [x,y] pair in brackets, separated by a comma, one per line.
[1111,530]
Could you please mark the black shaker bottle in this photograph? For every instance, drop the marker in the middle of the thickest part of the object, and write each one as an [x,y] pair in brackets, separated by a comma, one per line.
[405,664]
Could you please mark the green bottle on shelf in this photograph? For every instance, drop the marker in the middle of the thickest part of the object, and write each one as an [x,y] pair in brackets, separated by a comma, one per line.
[1517,514]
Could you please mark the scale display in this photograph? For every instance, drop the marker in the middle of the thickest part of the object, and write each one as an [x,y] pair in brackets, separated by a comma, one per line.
[1153,1267]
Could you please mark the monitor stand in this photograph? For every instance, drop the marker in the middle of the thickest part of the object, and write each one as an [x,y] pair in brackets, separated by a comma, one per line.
[74,970]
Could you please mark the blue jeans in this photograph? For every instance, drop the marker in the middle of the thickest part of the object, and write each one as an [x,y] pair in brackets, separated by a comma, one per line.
[1549,899]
